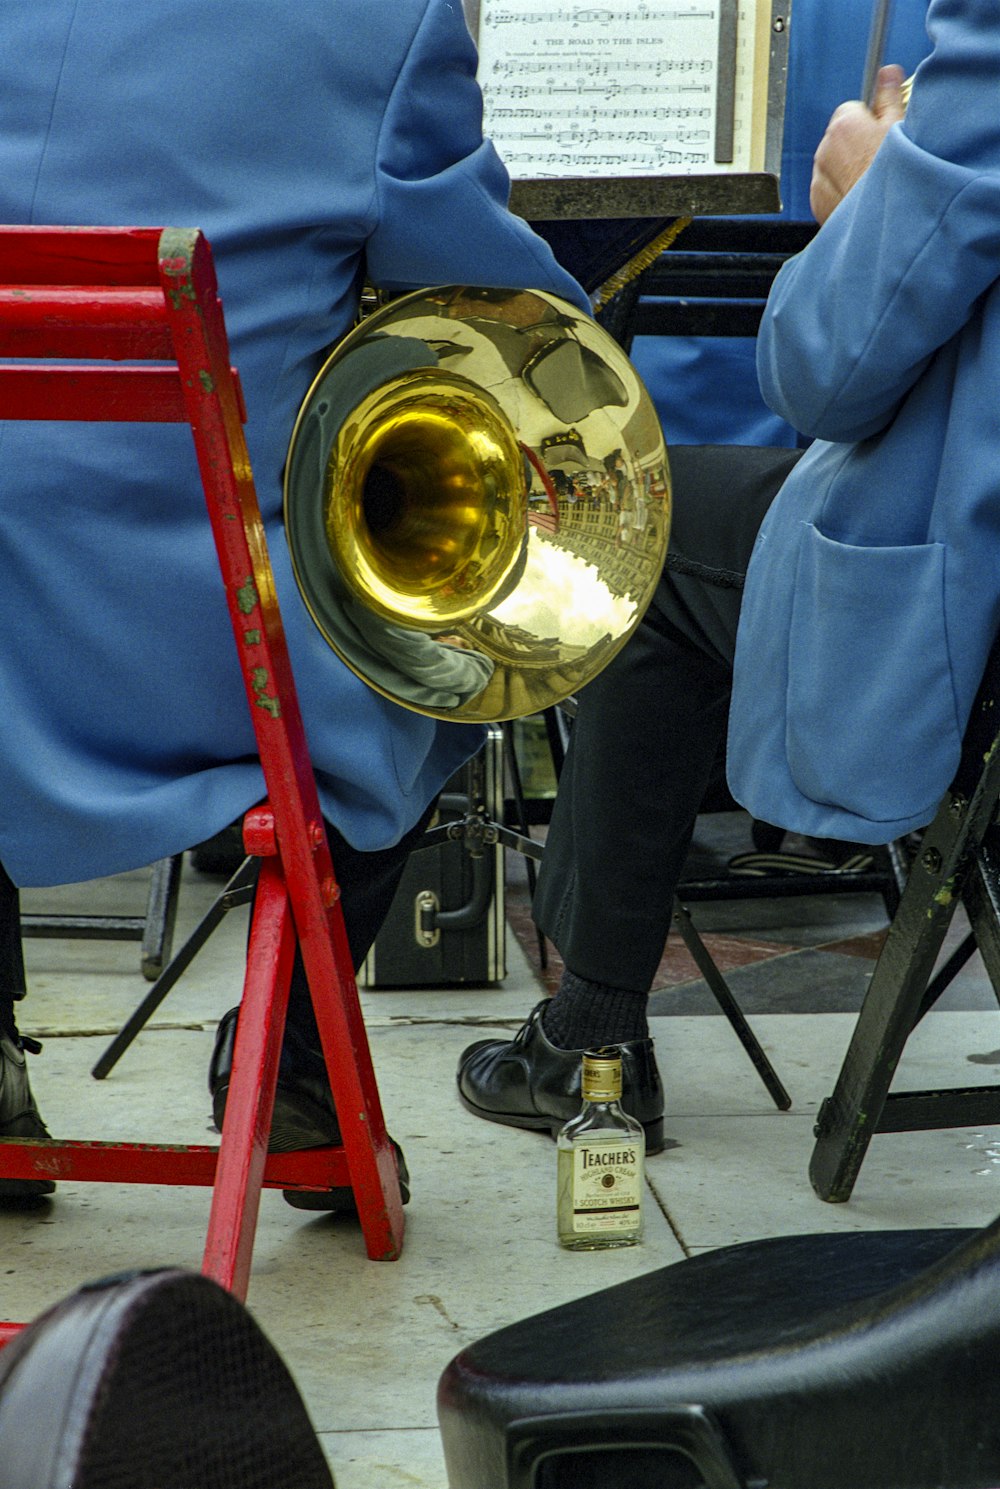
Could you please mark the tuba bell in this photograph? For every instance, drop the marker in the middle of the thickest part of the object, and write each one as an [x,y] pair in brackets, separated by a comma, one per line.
[477,501]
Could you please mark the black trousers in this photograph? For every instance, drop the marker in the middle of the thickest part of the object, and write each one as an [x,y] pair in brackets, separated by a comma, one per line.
[368,882]
[647,745]
[12,981]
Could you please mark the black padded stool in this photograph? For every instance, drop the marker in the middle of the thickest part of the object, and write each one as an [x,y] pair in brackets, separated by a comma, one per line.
[154,1380]
[869,1360]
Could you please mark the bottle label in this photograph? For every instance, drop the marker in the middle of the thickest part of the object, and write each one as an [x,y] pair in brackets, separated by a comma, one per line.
[606,1187]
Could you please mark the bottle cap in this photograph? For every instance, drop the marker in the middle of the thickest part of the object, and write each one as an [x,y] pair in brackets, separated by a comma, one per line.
[601,1078]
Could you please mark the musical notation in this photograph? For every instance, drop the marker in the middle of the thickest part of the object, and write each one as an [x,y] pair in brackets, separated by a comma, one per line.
[607,88]
[657,69]
[634,88]
[579,163]
[576,136]
[579,115]
[578,15]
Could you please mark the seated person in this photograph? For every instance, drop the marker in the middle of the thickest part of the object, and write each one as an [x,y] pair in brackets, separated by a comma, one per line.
[307,156]
[845,639]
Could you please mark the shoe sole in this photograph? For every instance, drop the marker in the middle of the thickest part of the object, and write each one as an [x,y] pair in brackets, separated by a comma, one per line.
[655,1139]
[342,1201]
[24,1193]
[298,1124]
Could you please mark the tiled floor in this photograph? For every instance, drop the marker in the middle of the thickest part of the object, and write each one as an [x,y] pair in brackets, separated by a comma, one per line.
[367,1341]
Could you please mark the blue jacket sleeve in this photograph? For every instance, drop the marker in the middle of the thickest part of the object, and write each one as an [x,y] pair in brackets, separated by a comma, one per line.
[852,321]
[442,190]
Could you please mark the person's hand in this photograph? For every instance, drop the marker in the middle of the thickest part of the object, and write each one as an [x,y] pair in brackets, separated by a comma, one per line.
[852,137]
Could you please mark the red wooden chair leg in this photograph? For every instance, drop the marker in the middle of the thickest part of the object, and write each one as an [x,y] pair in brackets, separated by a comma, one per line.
[367,1161]
[239,1174]
[371,1161]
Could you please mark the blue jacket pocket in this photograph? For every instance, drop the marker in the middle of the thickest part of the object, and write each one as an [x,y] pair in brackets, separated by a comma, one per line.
[871,722]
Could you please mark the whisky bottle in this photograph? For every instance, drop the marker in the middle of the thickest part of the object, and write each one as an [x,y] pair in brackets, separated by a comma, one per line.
[600,1163]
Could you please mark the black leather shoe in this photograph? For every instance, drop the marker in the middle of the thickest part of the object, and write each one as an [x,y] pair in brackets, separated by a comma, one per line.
[19,1118]
[529,1082]
[304,1114]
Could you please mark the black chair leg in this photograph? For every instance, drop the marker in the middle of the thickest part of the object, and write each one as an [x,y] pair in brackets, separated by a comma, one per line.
[238,891]
[522,826]
[161,915]
[155,929]
[958,863]
[720,989]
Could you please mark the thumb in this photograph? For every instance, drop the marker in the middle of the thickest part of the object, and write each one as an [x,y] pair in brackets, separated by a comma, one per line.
[887,103]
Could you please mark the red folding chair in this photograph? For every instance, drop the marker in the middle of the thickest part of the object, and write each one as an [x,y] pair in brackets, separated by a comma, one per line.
[145,296]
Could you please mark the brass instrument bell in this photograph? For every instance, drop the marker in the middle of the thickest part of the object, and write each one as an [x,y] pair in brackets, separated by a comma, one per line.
[477,501]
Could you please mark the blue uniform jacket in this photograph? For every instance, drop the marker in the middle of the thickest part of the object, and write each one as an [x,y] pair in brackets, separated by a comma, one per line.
[301,139]
[873,593]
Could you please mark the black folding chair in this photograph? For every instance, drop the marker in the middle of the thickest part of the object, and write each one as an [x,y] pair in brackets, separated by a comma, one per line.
[958,864]
[154,928]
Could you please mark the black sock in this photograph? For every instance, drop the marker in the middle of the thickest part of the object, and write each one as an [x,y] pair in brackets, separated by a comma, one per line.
[584,1015]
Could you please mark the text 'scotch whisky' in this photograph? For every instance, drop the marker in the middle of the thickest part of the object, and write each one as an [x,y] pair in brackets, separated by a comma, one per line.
[601,1158]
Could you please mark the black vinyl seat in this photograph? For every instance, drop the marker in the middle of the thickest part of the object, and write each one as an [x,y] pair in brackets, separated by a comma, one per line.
[152,1380]
[860,1360]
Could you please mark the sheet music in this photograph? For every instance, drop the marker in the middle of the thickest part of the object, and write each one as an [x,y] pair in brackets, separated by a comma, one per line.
[621,89]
